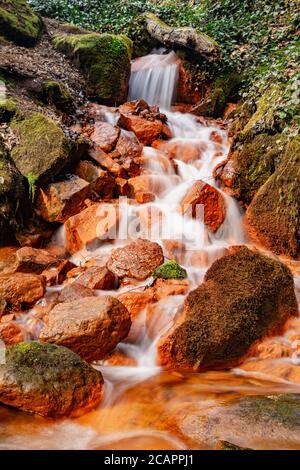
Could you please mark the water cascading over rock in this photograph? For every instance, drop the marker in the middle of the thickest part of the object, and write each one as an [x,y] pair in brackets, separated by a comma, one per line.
[154,78]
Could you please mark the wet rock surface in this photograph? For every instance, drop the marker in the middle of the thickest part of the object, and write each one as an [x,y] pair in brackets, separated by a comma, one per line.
[232,309]
[48,380]
[91,326]
[21,288]
[202,195]
[137,259]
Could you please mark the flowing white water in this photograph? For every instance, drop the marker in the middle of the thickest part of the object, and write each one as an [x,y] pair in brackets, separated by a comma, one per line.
[132,402]
[154,79]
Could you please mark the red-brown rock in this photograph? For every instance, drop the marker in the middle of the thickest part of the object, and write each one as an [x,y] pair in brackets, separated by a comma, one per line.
[21,289]
[59,201]
[104,135]
[91,327]
[98,277]
[11,333]
[106,162]
[137,260]
[146,122]
[94,223]
[101,182]
[136,302]
[245,297]
[74,291]
[58,274]
[212,200]
[33,260]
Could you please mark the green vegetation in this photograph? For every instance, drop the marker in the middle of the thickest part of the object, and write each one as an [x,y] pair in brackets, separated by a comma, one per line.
[19,23]
[170,270]
[57,94]
[32,180]
[8,108]
[43,149]
[258,37]
[105,60]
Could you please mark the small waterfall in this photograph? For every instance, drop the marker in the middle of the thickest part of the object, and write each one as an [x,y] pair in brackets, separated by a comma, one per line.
[154,78]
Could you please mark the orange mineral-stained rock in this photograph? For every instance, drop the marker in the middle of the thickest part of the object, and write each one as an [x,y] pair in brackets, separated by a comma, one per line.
[104,135]
[91,327]
[97,222]
[20,289]
[146,122]
[185,151]
[137,259]
[11,333]
[136,302]
[101,182]
[106,162]
[33,260]
[166,287]
[202,193]
[141,188]
[98,277]
[59,201]
[244,298]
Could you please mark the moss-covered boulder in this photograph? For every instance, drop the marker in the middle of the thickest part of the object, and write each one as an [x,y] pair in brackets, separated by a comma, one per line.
[245,296]
[48,380]
[170,270]
[8,108]
[143,43]
[189,38]
[12,198]
[251,422]
[19,23]
[57,94]
[43,149]
[104,59]
[253,163]
[274,214]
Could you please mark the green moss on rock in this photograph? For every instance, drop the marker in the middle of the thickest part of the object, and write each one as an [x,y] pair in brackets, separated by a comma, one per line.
[8,108]
[12,198]
[254,163]
[43,149]
[105,60]
[19,23]
[283,409]
[245,296]
[212,105]
[223,89]
[170,270]
[48,380]
[57,94]
[262,120]
[274,214]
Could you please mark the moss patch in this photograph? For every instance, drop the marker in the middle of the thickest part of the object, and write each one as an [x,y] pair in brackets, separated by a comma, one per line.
[12,198]
[263,118]
[245,296]
[8,108]
[170,270]
[47,379]
[105,60]
[57,94]
[282,409]
[274,213]
[254,163]
[19,23]
[43,149]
